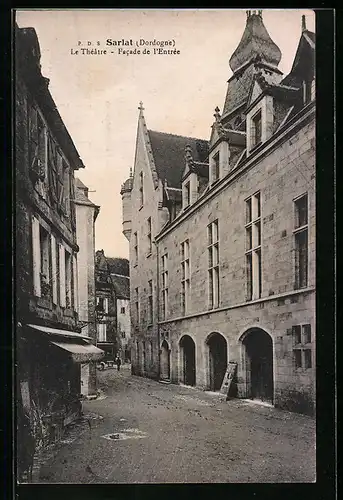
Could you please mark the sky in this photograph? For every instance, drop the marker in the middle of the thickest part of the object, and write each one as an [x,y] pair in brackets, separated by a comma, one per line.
[98,95]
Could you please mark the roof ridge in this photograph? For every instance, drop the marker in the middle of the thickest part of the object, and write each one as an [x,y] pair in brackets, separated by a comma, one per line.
[178,135]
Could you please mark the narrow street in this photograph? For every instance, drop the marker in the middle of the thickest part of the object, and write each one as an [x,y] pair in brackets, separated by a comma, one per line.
[143,431]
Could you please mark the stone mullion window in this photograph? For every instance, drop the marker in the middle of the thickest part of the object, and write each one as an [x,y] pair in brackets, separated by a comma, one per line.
[213,265]
[150,303]
[185,276]
[164,287]
[135,249]
[253,252]
[300,233]
[302,346]
[137,306]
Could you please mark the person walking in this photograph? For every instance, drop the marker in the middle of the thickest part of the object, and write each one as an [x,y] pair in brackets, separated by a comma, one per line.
[118,363]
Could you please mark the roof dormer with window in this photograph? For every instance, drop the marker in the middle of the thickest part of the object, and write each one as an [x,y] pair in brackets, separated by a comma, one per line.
[225,147]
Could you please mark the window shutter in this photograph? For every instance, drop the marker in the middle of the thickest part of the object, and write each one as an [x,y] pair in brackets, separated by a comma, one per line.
[54,269]
[36,257]
[62,277]
[76,295]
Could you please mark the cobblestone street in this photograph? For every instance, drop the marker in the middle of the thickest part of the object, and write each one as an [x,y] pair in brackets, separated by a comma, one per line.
[142,431]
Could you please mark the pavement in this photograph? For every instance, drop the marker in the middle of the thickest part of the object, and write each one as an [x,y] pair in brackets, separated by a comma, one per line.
[144,431]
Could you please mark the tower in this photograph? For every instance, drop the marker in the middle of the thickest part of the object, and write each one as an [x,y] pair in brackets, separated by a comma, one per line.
[256,52]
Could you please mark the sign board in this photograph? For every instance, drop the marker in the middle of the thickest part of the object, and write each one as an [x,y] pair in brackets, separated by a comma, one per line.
[229,374]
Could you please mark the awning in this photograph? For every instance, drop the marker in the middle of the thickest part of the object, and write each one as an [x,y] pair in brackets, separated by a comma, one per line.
[55,331]
[81,353]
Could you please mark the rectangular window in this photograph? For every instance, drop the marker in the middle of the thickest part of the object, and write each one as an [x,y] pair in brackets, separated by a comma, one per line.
[45,263]
[213,264]
[122,310]
[296,331]
[150,303]
[253,239]
[141,189]
[185,277]
[149,236]
[301,241]
[186,195]
[137,306]
[102,332]
[257,129]
[297,358]
[123,335]
[215,167]
[307,358]
[307,334]
[164,288]
[135,249]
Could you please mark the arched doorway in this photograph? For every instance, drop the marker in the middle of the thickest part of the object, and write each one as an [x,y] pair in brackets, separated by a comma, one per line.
[259,365]
[187,348]
[165,361]
[217,347]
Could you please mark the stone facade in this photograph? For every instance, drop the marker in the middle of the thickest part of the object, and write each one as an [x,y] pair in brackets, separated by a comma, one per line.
[232,263]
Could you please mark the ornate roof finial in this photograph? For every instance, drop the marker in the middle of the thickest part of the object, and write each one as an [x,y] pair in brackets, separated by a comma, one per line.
[140,107]
[248,12]
[217,114]
[259,13]
[130,171]
[303,23]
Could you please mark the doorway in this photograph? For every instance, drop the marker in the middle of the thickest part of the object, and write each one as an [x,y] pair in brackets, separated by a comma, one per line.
[165,361]
[217,347]
[259,365]
[187,348]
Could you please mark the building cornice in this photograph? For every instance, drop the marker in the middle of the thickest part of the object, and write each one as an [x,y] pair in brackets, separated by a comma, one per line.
[240,305]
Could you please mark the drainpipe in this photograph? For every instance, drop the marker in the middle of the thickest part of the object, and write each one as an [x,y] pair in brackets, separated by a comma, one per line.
[158,307]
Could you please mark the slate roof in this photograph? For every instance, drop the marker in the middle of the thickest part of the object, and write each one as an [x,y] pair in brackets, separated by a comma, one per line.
[255,42]
[121,286]
[169,154]
[80,194]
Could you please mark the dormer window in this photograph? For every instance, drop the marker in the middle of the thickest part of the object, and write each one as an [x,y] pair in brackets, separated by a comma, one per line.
[215,167]
[256,129]
[186,194]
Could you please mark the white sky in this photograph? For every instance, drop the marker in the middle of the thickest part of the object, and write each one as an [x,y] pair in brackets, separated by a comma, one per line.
[98,96]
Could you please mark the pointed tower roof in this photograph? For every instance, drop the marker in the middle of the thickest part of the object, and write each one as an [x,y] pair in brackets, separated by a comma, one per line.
[255,42]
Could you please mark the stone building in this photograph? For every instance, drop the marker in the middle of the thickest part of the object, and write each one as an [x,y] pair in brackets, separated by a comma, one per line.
[222,241]
[86,215]
[121,285]
[113,311]
[49,344]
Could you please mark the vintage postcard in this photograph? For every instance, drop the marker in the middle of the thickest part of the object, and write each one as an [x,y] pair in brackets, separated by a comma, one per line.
[165,246]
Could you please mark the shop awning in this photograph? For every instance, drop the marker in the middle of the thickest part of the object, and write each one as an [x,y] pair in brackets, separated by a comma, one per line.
[81,353]
[55,331]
